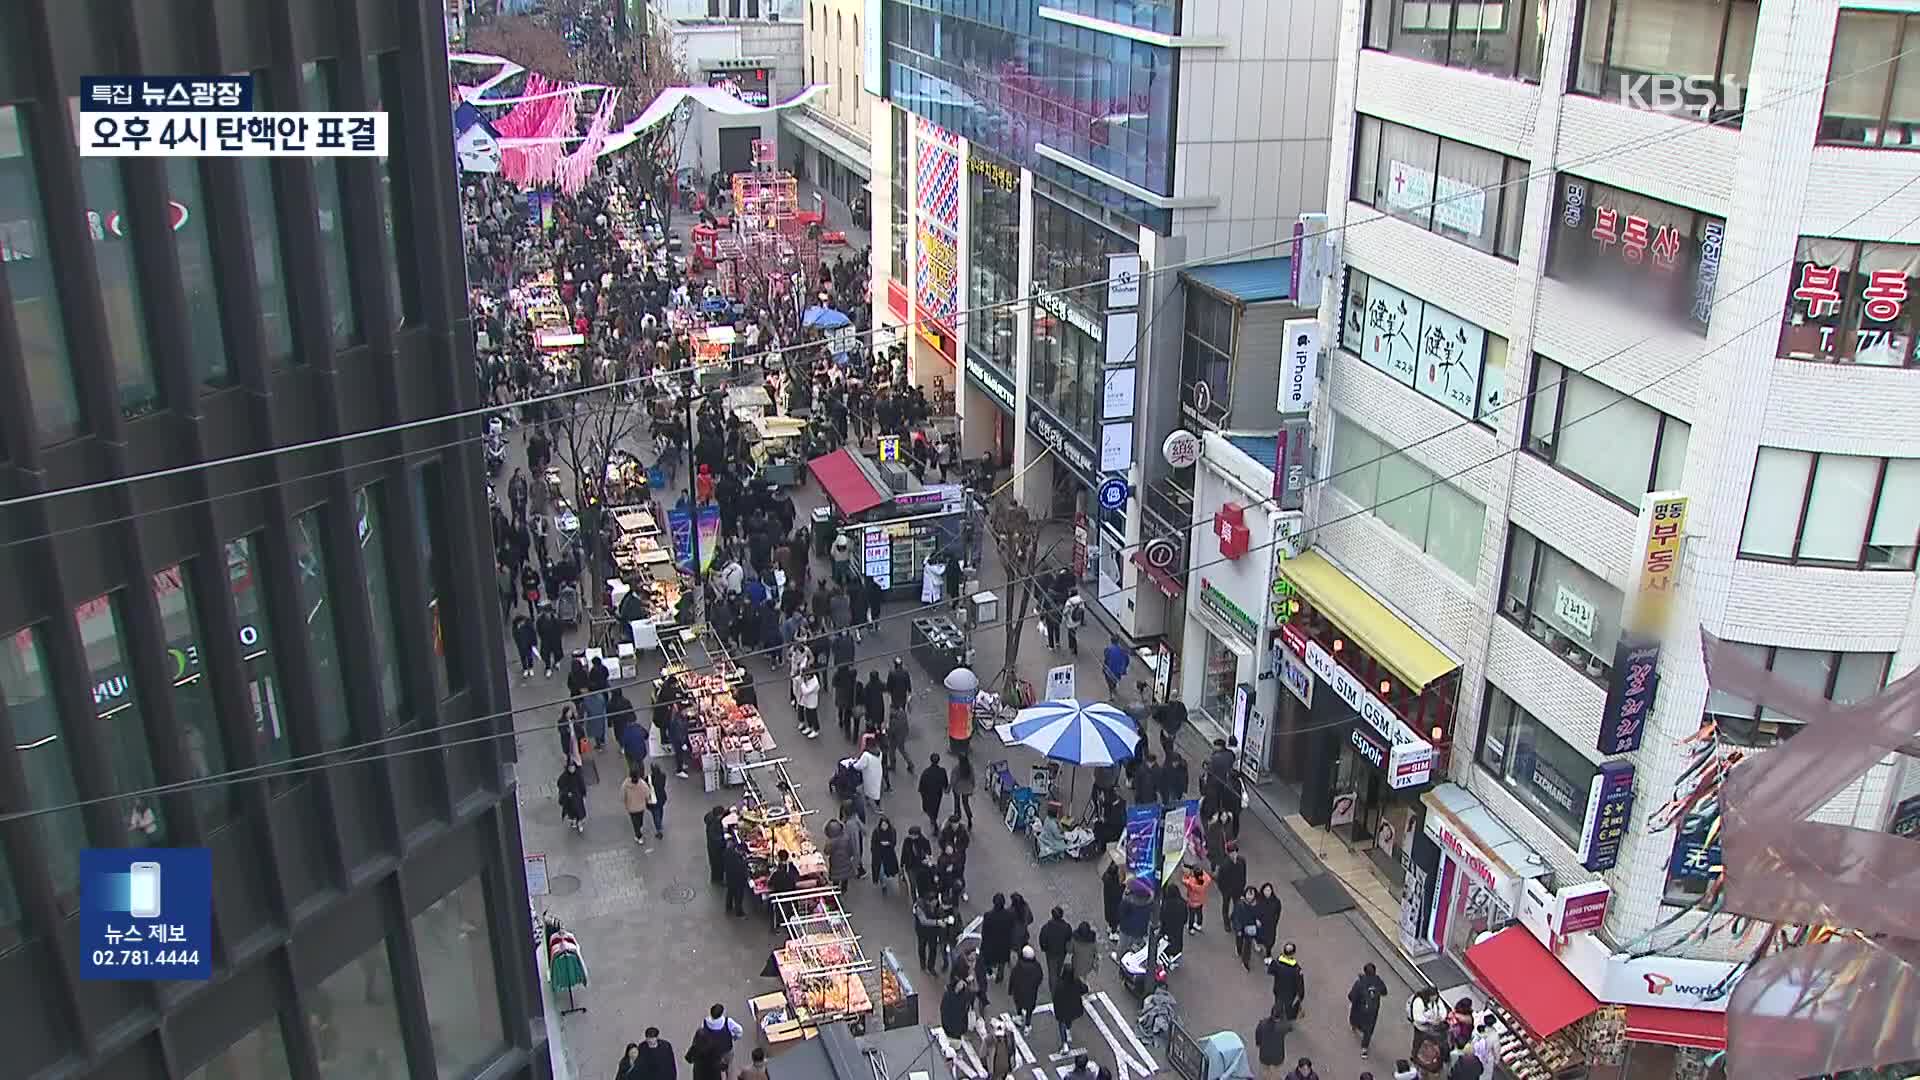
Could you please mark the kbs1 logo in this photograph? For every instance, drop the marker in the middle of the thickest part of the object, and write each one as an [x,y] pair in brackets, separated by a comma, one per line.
[1687,95]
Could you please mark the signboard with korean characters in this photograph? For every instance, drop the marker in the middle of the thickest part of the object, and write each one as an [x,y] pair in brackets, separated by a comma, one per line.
[1423,346]
[1609,806]
[1630,694]
[1652,583]
[1411,759]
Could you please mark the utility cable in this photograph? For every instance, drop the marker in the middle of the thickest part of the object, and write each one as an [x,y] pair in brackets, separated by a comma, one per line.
[763,356]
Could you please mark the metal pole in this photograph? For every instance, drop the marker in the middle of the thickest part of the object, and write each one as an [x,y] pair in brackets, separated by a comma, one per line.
[693,489]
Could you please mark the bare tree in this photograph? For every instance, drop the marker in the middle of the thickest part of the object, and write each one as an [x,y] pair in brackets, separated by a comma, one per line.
[524,41]
[1016,534]
[587,441]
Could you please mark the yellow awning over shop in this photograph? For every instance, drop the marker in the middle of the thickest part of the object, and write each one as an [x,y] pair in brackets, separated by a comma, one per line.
[1379,631]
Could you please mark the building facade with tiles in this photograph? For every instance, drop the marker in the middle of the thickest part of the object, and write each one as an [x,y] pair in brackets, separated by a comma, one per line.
[369,919]
[1564,291]
[1018,147]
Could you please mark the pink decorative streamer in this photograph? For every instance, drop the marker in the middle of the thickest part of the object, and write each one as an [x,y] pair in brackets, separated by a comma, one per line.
[572,171]
[548,118]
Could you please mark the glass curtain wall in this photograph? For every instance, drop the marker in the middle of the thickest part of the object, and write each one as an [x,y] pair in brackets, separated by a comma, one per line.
[899,208]
[995,264]
[1069,328]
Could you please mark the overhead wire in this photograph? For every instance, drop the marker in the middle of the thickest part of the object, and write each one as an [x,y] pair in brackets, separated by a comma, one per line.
[763,356]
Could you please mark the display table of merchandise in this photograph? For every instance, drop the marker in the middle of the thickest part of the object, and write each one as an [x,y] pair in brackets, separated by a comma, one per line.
[822,967]
[770,818]
[1522,1056]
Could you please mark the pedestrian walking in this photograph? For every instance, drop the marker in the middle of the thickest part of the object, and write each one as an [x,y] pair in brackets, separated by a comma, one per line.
[916,862]
[1195,883]
[1289,981]
[886,854]
[1303,1070]
[655,1060]
[635,794]
[710,1052]
[899,684]
[756,1068]
[933,789]
[1270,1042]
[1069,1003]
[1056,939]
[1114,661]
[963,786]
[1023,985]
[657,780]
[1245,923]
[525,642]
[1230,877]
[1269,918]
[1173,922]
[806,699]
[1113,886]
[572,790]
[928,920]
[843,856]
[1363,1005]
[572,735]
[1085,950]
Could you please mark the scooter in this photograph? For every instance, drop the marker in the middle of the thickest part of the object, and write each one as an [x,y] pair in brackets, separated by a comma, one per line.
[496,449]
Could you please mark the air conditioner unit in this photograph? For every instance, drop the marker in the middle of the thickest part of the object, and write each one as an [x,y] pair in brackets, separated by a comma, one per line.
[896,477]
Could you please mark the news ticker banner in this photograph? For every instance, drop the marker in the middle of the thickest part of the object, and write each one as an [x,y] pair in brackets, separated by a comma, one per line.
[212,116]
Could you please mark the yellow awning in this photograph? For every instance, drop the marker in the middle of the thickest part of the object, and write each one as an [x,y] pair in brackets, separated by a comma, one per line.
[1379,631]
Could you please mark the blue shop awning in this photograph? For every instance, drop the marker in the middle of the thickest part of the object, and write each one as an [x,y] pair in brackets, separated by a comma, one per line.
[1255,281]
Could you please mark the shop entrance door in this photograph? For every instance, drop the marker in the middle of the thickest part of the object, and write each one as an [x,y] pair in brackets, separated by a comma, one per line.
[1366,817]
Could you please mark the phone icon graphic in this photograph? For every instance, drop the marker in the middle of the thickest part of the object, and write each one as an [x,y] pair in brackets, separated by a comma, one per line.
[143,893]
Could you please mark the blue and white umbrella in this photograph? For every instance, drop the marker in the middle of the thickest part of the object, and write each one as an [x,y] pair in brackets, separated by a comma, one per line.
[1080,733]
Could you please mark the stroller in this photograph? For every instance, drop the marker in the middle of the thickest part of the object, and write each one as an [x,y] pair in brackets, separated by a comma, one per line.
[568,608]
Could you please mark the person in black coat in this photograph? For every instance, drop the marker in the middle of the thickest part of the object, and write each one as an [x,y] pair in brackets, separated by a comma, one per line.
[1174,779]
[955,1004]
[916,861]
[1173,923]
[656,1060]
[1146,780]
[716,844]
[1113,885]
[734,866]
[933,788]
[899,683]
[1069,1003]
[874,696]
[1023,983]
[1230,877]
[1056,938]
[996,939]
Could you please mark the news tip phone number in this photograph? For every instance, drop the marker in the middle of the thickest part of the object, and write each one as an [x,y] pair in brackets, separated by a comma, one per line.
[136,958]
[227,134]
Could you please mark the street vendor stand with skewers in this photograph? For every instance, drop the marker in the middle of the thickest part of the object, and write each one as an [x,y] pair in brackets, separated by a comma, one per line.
[771,818]
[723,735]
[822,968]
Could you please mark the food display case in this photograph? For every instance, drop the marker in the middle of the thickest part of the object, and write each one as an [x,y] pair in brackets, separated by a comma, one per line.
[723,735]
[938,645]
[899,998]
[822,967]
[1520,1055]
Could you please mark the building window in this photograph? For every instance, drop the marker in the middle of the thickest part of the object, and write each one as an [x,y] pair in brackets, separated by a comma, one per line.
[456,967]
[1842,677]
[1861,513]
[1683,57]
[899,207]
[1539,767]
[343,316]
[117,703]
[430,527]
[1425,347]
[403,279]
[1458,191]
[269,274]
[1494,37]
[1219,675]
[193,247]
[332,727]
[1848,303]
[27,260]
[1621,447]
[994,270]
[1070,319]
[45,756]
[370,515]
[192,697]
[245,573]
[104,190]
[1206,359]
[356,1032]
[260,1054]
[1566,607]
[1434,516]
[1646,253]
[1874,96]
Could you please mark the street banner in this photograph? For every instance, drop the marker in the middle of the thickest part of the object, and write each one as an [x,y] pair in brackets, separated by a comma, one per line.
[1141,839]
[1180,836]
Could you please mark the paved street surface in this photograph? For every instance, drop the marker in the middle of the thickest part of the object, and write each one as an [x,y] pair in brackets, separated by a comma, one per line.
[660,951]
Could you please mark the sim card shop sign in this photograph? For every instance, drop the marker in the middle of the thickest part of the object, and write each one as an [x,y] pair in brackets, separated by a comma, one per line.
[1658,263]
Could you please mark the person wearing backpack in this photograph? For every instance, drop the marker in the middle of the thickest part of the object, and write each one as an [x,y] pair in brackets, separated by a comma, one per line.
[1363,1002]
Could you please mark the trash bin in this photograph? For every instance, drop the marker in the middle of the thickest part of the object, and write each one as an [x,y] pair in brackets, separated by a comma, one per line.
[824,531]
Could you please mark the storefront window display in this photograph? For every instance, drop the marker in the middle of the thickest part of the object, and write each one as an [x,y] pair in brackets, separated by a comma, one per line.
[1633,51]
[1494,37]
[1004,78]
[1461,192]
[1653,255]
[1437,353]
[1566,607]
[1848,303]
[1537,765]
[457,973]
[995,264]
[1220,674]
[1069,328]
[354,1022]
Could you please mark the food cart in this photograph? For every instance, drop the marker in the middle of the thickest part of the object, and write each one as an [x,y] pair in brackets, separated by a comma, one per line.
[895,524]
[724,736]
[712,351]
[749,403]
[647,593]
[772,817]
[823,969]
[776,449]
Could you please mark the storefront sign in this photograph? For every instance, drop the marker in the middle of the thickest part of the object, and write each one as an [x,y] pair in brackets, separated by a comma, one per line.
[877,549]
[1062,440]
[1116,446]
[1411,762]
[993,382]
[1582,907]
[1113,493]
[1420,345]
[1181,448]
[1292,463]
[1576,612]
[1670,982]
[1123,281]
[1299,363]
[1163,672]
[1473,862]
[1242,708]
[1117,393]
[1650,591]
[1370,747]
[1630,695]
[1060,682]
[1293,674]
[1056,305]
[1216,603]
[1695,858]
[1230,528]
[1082,537]
[1609,805]
[998,175]
[1709,276]
[1906,817]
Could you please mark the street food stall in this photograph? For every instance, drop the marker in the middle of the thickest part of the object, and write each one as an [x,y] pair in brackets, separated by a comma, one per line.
[896,524]
[771,817]
[749,403]
[776,451]
[647,594]
[724,736]
[712,349]
[823,969]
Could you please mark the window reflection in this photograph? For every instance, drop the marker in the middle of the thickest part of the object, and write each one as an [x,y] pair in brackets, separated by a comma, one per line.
[383,89]
[119,277]
[356,1032]
[193,704]
[244,574]
[323,649]
[370,516]
[343,318]
[27,260]
[431,512]
[45,755]
[1494,37]
[1874,96]
[261,1054]
[995,266]
[456,968]
[193,246]
[117,702]
[263,230]
[1685,57]
[1069,327]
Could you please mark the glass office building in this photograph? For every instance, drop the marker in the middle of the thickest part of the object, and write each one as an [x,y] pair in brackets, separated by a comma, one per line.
[370,919]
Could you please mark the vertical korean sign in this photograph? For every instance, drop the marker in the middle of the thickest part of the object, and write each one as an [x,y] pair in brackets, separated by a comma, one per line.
[1609,806]
[1652,585]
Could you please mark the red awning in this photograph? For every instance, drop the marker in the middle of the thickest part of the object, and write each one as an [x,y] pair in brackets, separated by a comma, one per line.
[1677,1027]
[845,484]
[1529,981]
[1166,582]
